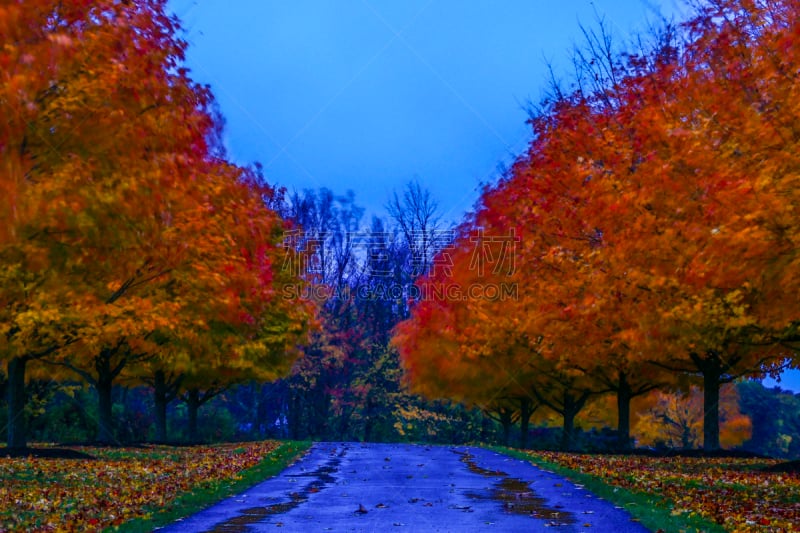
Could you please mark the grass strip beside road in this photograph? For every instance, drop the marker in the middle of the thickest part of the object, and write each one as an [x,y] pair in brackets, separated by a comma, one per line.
[653,510]
[210,492]
[90,488]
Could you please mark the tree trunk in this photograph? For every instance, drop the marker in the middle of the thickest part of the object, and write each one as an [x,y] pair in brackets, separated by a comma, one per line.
[105,429]
[711,409]
[17,430]
[567,431]
[368,423]
[571,409]
[294,416]
[104,385]
[322,425]
[525,412]
[506,417]
[624,394]
[193,406]
[160,401]
[261,410]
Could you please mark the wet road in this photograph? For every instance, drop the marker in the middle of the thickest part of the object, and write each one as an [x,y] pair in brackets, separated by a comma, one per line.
[397,487]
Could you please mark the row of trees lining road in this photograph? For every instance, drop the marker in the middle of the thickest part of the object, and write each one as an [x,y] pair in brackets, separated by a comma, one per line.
[652,226]
[130,248]
[136,257]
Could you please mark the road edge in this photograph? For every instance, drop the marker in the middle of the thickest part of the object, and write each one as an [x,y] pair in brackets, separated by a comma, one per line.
[651,510]
[206,495]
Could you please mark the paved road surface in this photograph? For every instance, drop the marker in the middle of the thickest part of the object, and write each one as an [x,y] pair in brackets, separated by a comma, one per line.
[410,488]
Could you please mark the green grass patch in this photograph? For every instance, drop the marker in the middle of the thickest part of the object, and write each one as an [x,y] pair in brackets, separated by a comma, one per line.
[209,493]
[651,510]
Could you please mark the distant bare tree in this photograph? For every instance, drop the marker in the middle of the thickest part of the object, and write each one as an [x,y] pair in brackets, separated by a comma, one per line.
[328,224]
[417,217]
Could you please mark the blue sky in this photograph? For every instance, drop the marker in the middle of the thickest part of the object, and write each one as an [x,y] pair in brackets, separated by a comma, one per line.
[370,94]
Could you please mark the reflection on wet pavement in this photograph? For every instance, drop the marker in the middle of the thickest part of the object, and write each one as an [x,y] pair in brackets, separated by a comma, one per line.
[405,487]
[321,477]
[515,495]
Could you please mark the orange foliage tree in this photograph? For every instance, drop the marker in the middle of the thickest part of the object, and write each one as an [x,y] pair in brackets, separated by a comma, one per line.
[125,230]
[458,343]
[706,184]
[658,233]
[78,131]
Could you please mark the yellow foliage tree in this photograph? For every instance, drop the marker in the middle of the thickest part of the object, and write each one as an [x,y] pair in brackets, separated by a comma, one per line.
[676,419]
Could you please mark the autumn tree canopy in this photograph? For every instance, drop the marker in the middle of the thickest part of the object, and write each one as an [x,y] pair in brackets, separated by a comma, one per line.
[125,236]
[656,216]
